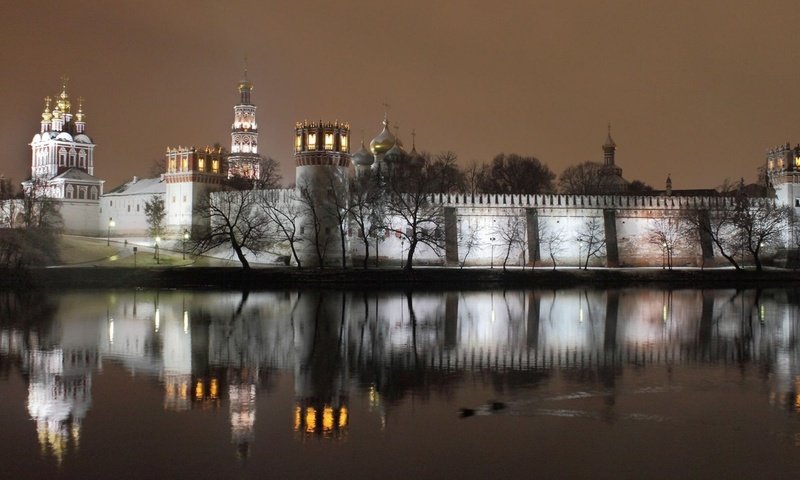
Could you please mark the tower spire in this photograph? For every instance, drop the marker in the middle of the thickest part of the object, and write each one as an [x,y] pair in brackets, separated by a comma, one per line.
[245,87]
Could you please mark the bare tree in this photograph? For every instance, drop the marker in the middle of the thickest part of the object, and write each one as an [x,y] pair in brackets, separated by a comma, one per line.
[39,210]
[337,206]
[553,239]
[719,226]
[517,174]
[313,205]
[444,168]
[411,212]
[668,234]
[283,211]
[582,179]
[367,210]
[472,176]
[591,239]
[234,220]
[470,240]
[511,234]
[761,223]
[269,175]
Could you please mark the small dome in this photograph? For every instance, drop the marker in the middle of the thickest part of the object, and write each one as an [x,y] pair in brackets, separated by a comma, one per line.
[363,157]
[384,141]
[415,159]
[395,154]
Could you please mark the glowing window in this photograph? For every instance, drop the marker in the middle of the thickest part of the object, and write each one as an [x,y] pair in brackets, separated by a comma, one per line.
[328,141]
[201,164]
[185,164]
[172,165]
[343,141]
[215,166]
[312,141]
[298,143]
[797,161]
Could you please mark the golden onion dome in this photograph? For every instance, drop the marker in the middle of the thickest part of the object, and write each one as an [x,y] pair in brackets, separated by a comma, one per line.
[46,115]
[384,141]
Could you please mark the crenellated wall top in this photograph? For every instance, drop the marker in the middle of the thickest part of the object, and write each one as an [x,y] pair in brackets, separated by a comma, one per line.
[584,201]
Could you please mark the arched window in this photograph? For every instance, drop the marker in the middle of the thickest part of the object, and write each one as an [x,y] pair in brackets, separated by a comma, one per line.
[93,194]
[81,193]
[69,192]
[82,159]
[62,156]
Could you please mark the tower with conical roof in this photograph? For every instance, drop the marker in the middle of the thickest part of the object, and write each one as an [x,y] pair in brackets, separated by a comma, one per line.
[244,160]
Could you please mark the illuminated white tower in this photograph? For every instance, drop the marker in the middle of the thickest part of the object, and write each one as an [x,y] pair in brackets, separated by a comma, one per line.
[244,160]
[322,156]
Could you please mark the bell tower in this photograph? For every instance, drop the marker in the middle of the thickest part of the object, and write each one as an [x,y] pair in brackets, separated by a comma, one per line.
[244,160]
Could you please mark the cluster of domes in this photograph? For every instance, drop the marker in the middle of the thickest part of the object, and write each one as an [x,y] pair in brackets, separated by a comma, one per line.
[389,146]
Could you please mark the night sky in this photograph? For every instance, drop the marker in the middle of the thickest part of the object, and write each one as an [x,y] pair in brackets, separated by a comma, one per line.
[696,89]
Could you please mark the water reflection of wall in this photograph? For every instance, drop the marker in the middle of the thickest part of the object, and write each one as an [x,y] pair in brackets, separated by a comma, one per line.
[207,349]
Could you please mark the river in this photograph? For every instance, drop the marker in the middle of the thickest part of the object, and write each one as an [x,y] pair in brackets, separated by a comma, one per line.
[566,383]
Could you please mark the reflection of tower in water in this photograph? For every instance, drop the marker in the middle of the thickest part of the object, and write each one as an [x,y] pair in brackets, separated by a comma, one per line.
[320,368]
[176,353]
[242,395]
[59,396]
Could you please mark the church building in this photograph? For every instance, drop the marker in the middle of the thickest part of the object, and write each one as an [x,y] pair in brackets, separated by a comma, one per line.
[62,164]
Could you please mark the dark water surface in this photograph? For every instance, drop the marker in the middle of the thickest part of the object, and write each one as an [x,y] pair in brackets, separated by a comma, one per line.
[575,383]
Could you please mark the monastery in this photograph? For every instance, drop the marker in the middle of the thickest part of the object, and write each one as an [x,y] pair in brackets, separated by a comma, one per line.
[62,167]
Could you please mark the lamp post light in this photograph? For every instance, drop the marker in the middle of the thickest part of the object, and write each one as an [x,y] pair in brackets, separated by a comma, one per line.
[185,238]
[110,225]
[492,239]
[155,255]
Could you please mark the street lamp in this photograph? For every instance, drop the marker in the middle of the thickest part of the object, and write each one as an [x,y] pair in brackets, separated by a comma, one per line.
[492,239]
[155,255]
[110,225]
[185,237]
[402,249]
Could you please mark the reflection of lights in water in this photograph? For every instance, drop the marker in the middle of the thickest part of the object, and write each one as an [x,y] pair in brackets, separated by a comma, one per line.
[493,316]
[213,389]
[580,315]
[158,320]
[664,313]
[327,419]
[185,321]
[374,397]
[762,313]
[198,390]
[343,417]
[111,331]
[311,419]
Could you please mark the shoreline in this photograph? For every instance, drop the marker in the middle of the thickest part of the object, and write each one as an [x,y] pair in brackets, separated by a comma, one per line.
[420,278]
